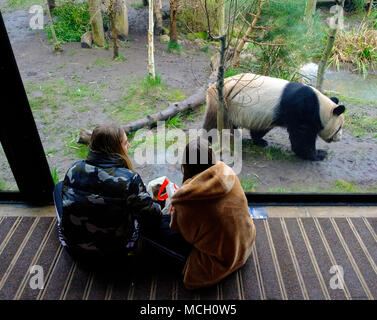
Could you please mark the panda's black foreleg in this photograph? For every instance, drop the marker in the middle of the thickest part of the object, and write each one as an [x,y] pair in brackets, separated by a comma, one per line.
[257,136]
[303,144]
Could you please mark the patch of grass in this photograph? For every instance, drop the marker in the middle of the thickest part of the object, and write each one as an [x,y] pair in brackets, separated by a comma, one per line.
[272,153]
[277,154]
[248,184]
[230,72]
[144,97]
[120,58]
[137,5]
[23,4]
[278,190]
[360,125]
[174,46]
[175,122]
[50,152]
[3,185]
[101,62]
[71,21]
[345,186]
[72,147]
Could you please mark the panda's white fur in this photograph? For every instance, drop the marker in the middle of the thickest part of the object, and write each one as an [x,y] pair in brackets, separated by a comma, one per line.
[252,102]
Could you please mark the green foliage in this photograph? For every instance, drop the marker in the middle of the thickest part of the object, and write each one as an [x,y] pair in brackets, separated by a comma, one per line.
[71,21]
[357,48]
[175,122]
[294,41]
[174,46]
[55,175]
[192,16]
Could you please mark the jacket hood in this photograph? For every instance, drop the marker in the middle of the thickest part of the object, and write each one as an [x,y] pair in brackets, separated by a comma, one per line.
[212,183]
[104,160]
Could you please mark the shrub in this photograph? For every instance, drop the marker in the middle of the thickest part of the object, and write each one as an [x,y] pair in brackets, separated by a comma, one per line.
[71,21]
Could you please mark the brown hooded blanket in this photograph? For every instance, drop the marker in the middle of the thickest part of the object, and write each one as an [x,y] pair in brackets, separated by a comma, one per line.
[211,213]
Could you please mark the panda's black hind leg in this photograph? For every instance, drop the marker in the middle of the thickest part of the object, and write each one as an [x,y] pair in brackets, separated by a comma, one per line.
[257,137]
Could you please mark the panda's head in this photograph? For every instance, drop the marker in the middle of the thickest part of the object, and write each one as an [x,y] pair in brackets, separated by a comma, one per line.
[332,119]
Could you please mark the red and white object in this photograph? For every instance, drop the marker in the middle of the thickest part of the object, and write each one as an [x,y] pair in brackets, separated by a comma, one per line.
[166,191]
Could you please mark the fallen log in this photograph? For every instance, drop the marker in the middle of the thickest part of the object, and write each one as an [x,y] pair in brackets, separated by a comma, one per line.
[150,121]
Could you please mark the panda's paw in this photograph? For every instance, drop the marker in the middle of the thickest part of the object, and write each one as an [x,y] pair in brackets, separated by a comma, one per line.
[260,143]
[320,155]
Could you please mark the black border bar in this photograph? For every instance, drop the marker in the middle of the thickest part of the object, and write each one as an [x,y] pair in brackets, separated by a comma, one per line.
[18,131]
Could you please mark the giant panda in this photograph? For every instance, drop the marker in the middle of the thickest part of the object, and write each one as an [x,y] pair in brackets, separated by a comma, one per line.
[260,103]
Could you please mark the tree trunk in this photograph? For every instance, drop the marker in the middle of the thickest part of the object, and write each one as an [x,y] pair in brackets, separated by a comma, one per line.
[173,21]
[57,46]
[113,28]
[157,11]
[323,64]
[97,22]
[237,52]
[121,19]
[151,68]
[310,10]
[369,8]
[51,4]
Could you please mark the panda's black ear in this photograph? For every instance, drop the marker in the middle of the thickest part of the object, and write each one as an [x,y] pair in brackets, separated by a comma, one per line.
[334,99]
[339,110]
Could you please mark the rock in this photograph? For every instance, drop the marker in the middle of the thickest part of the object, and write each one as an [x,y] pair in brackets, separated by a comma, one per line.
[164,38]
[86,40]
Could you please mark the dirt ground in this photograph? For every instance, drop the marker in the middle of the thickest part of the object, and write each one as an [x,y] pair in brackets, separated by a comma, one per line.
[354,159]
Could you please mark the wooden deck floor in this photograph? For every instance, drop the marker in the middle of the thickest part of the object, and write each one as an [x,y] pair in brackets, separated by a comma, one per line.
[291,259]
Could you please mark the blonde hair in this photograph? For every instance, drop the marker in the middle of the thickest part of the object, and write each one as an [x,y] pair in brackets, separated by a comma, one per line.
[109,139]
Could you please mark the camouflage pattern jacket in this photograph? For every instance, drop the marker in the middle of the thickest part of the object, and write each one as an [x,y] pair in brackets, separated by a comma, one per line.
[103,204]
